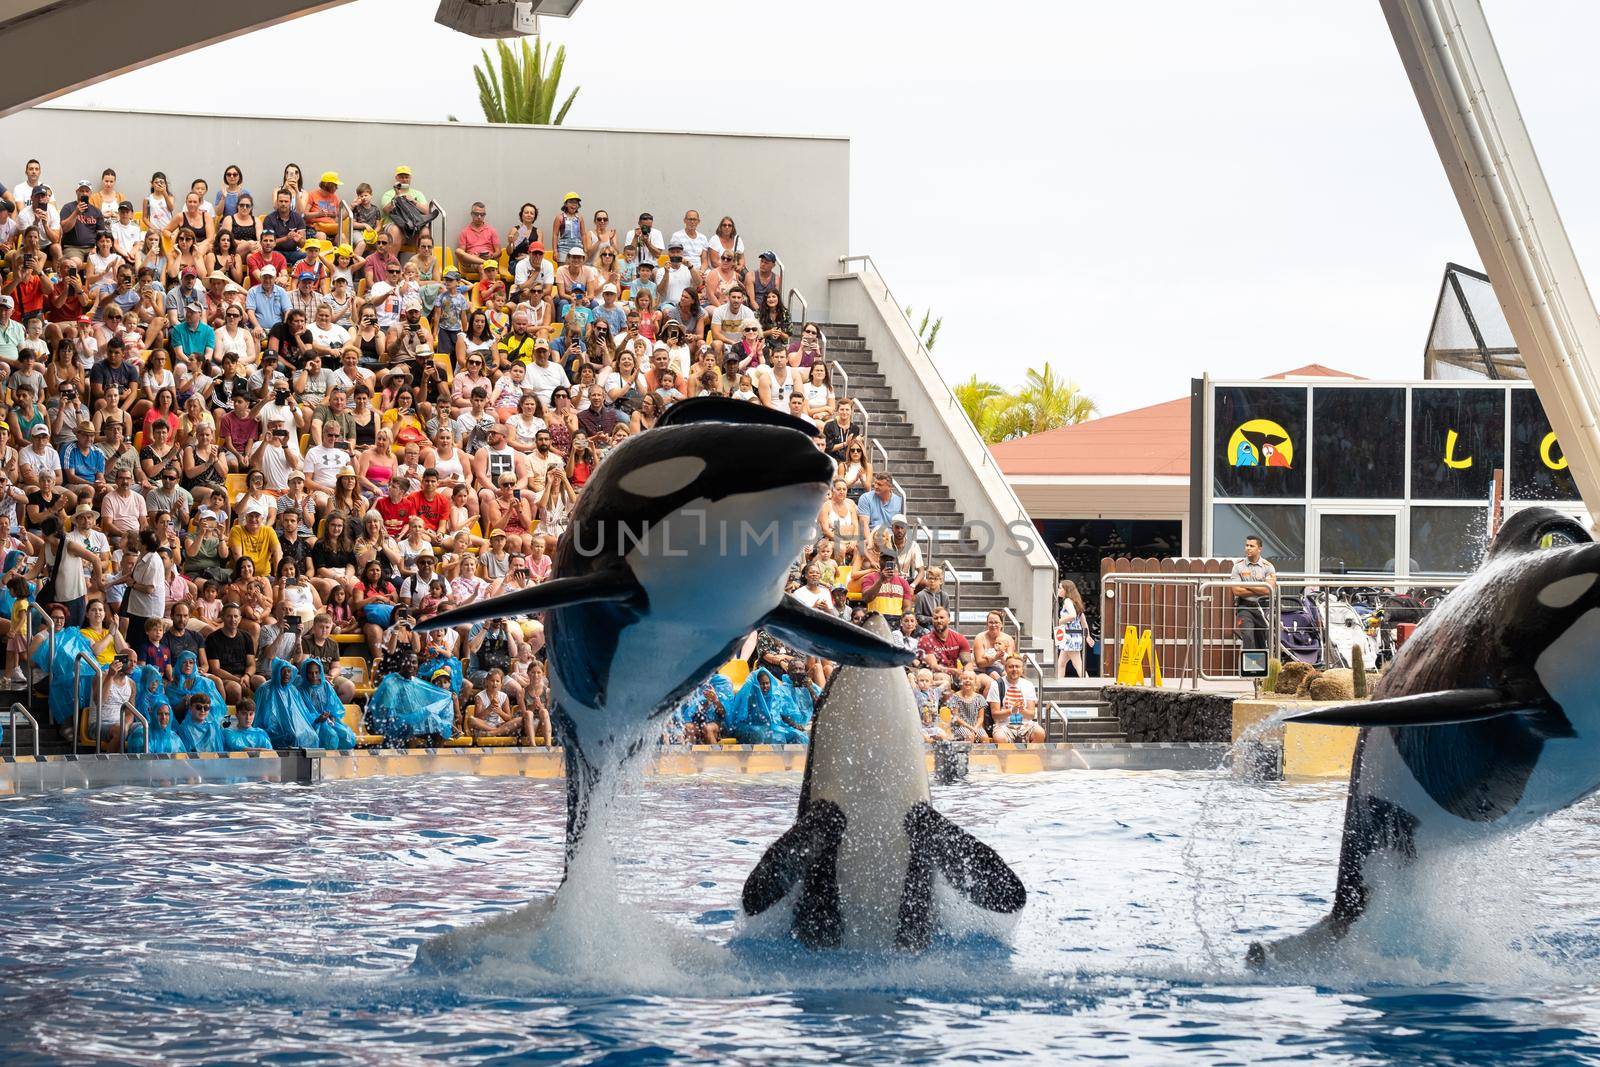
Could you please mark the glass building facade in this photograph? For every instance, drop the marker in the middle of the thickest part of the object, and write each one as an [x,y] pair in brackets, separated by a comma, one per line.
[1371,478]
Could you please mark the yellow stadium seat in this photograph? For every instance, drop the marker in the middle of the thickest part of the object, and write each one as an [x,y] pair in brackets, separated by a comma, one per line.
[236,486]
[349,639]
[305,443]
[735,671]
[354,720]
[355,668]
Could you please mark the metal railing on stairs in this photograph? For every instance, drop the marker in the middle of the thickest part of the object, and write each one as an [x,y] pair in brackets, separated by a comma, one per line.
[11,713]
[981,453]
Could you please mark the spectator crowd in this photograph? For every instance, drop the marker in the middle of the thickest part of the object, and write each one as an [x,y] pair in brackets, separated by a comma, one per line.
[253,437]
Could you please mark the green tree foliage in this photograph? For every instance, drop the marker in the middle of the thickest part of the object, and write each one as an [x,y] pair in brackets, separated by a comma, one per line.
[1046,401]
[928,329]
[522,90]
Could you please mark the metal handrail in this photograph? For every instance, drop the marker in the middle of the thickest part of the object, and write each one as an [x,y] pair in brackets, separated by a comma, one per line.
[921,530]
[50,654]
[952,576]
[1031,662]
[987,458]
[137,714]
[861,413]
[13,711]
[842,375]
[78,660]
[805,309]
[1010,616]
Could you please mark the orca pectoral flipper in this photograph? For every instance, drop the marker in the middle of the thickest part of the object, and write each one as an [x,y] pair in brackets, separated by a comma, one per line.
[1449,706]
[814,834]
[612,586]
[975,870]
[829,637]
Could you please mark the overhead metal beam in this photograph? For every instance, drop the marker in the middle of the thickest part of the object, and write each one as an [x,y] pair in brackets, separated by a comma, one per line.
[71,44]
[1465,96]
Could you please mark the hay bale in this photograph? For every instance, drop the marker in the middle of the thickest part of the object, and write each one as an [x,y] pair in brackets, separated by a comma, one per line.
[1337,684]
[1292,676]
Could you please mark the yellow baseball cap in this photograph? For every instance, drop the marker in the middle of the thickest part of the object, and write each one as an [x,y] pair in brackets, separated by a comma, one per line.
[329,177]
[571,196]
[403,169]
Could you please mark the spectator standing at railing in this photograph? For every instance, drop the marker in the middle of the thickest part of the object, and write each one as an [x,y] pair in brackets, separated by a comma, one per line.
[1072,631]
[1255,578]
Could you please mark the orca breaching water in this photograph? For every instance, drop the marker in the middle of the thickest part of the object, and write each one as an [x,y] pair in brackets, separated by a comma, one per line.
[867,844]
[1485,723]
[679,547]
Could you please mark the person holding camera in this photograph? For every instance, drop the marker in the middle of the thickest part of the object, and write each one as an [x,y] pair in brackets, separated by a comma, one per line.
[81,223]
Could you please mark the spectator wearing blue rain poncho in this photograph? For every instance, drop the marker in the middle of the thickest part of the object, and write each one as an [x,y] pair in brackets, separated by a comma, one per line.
[148,690]
[403,706]
[164,740]
[200,732]
[244,734]
[70,640]
[765,712]
[187,681]
[327,710]
[282,710]
[702,715]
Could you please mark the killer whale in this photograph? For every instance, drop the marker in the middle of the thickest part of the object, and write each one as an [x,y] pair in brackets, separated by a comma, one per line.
[1487,721]
[679,546]
[866,843]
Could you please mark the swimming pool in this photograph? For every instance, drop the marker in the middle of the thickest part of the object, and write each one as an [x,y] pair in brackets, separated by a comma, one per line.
[256,922]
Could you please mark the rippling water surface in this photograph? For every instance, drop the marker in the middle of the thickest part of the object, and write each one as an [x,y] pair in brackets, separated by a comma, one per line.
[277,923]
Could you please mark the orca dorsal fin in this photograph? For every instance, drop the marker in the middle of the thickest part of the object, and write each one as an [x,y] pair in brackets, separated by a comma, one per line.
[1447,707]
[610,586]
[724,409]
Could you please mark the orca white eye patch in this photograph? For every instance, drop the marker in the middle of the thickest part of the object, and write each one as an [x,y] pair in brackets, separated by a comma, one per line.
[1566,591]
[664,477]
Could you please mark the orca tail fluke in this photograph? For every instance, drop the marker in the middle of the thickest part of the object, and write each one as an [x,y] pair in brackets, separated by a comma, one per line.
[972,868]
[1312,945]
[818,634]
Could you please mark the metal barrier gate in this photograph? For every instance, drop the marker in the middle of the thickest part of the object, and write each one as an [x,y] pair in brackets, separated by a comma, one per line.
[1199,626]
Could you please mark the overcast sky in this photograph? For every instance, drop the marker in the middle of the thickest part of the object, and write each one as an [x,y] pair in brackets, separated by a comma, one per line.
[1137,193]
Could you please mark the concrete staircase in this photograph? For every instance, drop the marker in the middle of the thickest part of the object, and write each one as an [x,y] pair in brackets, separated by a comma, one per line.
[928,499]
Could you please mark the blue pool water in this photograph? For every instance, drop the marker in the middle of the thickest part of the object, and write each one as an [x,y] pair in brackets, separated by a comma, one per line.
[268,923]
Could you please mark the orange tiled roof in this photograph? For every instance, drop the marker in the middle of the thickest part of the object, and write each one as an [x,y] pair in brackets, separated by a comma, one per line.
[1146,441]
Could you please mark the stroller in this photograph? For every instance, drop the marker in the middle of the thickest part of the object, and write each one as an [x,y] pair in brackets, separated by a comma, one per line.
[1300,630]
[1347,628]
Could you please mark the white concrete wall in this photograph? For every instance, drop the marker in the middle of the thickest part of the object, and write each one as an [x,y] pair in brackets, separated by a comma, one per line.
[799,206]
[1023,564]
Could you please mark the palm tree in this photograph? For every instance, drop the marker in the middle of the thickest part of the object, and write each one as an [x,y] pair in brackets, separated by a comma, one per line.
[1045,402]
[522,91]
[928,330]
[980,399]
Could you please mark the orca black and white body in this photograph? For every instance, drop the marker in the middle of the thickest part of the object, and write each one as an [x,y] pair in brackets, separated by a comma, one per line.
[679,547]
[1488,721]
[866,845]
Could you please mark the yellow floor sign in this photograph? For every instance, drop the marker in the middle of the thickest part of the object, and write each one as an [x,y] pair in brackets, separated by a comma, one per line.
[1130,664]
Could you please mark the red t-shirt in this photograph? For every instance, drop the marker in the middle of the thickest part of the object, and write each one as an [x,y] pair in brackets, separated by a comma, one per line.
[255,261]
[396,513]
[29,295]
[434,513]
[947,651]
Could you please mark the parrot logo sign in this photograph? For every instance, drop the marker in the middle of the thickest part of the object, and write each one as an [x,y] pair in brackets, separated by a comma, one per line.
[1260,443]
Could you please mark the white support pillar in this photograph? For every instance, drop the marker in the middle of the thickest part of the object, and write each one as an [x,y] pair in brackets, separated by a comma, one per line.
[1462,88]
